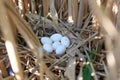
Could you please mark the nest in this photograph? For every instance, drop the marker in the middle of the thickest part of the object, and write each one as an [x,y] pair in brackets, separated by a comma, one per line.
[84,59]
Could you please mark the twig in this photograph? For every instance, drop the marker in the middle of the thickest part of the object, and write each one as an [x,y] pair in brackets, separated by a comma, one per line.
[106,71]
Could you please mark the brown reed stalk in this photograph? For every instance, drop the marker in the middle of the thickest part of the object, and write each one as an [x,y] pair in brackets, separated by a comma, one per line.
[33,6]
[80,13]
[70,16]
[112,39]
[45,7]
[75,11]
[30,38]
[10,43]
[26,7]
[53,12]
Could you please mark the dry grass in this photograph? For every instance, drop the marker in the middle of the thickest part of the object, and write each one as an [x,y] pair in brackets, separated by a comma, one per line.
[90,25]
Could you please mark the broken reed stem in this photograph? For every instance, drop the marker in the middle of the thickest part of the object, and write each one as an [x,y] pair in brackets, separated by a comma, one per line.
[10,43]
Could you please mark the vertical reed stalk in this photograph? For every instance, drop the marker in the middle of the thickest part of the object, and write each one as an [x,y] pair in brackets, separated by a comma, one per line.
[10,43]
[45,7]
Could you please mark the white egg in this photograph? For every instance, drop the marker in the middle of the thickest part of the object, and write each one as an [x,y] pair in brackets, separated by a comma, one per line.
[48,48]
[60,49]
[65,41]
[56,37]
[46,40]
[56,44]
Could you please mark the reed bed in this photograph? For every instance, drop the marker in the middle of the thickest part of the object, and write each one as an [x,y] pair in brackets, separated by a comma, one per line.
[91,25]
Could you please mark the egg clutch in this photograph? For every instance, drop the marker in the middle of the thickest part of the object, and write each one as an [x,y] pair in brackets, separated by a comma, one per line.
[56,42]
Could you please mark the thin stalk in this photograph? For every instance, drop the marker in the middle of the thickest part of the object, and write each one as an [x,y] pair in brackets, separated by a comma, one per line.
[45,7]
[80,13]
[75,11]
[53,12]
[70,17]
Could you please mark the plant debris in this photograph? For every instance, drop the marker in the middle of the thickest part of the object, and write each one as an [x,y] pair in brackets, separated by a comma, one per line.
[91,40]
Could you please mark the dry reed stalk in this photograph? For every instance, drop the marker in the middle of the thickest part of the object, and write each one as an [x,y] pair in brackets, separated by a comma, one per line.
[45,7]
[10,43]
[21,7]
[9,78]
[118,16]
[80,13]
[108,10]
[26,7]
[75,11]
[65,14]
[58,4]
[106,70]
[112,40]
[16,2]
[61,9]
[30,38]
[29,41]
[53,12]
[113,68]
[85,7]
[24,28]
[111,31]
[70,16]
[11,2]
[50,59]
[33,6]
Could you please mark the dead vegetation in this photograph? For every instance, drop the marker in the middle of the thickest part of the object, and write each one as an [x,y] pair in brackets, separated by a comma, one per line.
[91,25]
